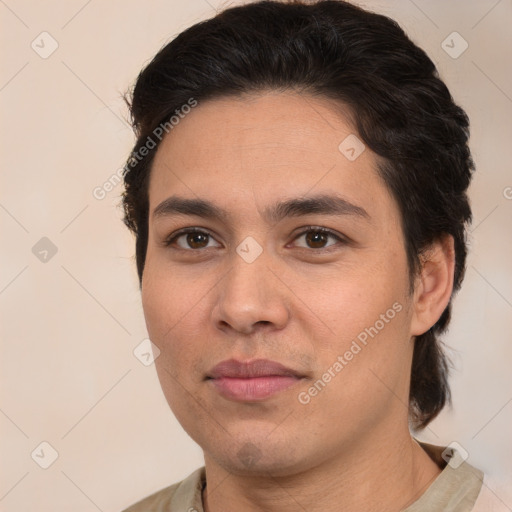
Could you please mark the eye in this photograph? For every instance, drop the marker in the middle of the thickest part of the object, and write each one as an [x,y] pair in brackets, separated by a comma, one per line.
[190,239]
[197,239]
[317,237]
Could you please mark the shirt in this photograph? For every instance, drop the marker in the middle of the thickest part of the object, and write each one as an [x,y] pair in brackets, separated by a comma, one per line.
[458,488]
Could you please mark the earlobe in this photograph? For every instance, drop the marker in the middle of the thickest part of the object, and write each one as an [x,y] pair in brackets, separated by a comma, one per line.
[434,285]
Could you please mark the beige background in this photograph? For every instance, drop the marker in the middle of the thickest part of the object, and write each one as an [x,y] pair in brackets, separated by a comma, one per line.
[69,324]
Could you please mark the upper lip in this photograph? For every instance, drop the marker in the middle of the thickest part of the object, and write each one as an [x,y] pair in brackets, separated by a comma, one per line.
[250,369]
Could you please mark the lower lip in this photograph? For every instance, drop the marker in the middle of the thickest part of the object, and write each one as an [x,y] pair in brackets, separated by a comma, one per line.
[253,389]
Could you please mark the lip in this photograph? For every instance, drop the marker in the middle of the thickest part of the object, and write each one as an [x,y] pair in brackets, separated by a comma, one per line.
[250,381]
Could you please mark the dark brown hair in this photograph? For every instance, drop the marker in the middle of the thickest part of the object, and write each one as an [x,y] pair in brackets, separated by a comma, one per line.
[401,108]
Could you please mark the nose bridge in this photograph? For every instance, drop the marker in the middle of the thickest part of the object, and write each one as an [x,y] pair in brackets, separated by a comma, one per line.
[249,292]
[246,282]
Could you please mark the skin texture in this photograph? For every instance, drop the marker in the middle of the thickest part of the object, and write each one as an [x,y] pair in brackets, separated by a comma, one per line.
[301,302]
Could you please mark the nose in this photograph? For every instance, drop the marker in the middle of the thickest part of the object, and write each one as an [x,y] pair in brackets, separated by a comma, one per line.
[250,297]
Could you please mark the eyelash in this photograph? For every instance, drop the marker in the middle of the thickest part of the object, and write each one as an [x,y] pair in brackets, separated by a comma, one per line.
[315,229]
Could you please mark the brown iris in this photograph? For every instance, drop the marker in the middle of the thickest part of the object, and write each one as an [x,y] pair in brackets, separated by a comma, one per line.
[197,240]
[316,239]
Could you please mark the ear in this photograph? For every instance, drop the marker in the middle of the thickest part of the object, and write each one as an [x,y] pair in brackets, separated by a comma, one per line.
[434,285]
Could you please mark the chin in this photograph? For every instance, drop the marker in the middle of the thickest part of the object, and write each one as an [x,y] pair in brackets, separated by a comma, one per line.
[258,457]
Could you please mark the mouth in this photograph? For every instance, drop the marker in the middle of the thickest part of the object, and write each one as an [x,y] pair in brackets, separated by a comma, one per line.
[251,381]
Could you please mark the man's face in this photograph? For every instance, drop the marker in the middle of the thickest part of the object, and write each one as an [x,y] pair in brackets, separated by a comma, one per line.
[332,308]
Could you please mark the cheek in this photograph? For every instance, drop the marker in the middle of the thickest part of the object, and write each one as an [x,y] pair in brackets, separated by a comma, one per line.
[347,299]
[171,321]
[169,297]
[170,307]
[368,314]
[361,373]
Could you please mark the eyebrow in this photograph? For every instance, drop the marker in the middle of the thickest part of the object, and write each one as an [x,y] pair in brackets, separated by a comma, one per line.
[296,207]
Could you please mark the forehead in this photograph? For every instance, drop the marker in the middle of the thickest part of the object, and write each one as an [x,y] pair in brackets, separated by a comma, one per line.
[262,148]
[254,127]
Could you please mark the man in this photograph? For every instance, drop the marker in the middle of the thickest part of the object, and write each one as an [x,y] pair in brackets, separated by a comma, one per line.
[298,196]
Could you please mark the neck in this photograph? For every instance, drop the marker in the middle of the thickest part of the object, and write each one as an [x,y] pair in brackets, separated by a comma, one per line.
[386,476]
